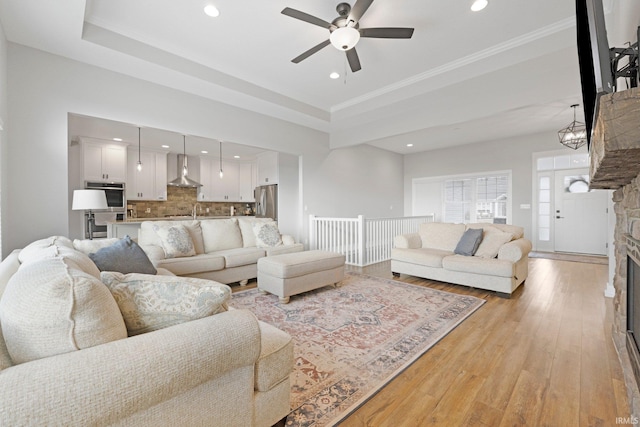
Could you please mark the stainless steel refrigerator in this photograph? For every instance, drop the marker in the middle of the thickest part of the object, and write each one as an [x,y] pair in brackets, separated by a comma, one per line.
[267,201]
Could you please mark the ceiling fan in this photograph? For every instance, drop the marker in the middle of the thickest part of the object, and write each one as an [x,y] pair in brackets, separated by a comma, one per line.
[345,31]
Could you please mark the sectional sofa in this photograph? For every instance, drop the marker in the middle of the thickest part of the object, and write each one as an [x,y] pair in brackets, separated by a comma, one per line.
[74,351]
[224,250]
[499,262]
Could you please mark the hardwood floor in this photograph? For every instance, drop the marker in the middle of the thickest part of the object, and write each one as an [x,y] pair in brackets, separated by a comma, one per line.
[545,357]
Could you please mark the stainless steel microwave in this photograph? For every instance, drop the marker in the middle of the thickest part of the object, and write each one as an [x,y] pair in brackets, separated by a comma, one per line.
[115,192]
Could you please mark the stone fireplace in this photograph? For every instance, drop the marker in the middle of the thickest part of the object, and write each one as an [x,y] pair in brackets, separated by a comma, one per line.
[615,164]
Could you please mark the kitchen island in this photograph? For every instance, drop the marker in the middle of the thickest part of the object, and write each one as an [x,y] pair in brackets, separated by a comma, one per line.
[130,226]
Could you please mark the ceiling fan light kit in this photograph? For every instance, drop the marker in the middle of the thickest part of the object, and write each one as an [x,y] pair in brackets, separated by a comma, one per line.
[344,31]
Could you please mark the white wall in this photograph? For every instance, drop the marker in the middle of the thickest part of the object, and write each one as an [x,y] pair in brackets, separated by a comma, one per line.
[44,88]
[3,119]
[513,154]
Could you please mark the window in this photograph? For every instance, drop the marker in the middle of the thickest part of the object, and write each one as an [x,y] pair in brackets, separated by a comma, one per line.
[477,199]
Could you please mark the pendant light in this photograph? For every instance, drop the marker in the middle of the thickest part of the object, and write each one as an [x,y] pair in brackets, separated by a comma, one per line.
[139,167]
[221,173]
[574,135]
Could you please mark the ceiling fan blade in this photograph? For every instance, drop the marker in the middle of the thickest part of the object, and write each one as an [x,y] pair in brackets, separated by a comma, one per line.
[310,52]
[354,61]
[305,17]
[358,10]
[387,33]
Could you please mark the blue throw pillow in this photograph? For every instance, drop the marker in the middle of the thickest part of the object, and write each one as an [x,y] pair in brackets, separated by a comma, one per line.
[124,256]
[469,242]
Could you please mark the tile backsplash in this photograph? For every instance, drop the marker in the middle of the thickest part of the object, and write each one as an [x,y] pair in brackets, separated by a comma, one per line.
[180,201]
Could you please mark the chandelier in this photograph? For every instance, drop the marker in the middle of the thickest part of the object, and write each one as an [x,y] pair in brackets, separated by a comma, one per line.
[574,135]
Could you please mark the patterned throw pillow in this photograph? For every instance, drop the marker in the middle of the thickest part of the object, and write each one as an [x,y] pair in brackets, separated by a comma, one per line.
[176,241]
[267,234]
[148,303]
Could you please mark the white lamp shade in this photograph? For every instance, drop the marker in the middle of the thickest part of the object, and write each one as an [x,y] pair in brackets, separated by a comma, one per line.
[89,200]
[344,38]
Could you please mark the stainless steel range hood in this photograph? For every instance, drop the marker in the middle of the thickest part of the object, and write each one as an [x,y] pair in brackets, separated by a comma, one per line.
[183,179]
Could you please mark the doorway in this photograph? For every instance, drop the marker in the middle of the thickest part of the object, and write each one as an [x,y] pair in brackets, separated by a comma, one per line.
[580,214]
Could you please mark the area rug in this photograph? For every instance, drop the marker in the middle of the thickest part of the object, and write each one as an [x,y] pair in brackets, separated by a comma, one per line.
[351,340]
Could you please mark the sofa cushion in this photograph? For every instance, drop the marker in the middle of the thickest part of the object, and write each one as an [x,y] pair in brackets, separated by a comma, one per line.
[148,236]
[492,241]
[221,234]
[246,229]
[175,240]
[87,246]
[515,230]
[469,264]
[440,235]
[276,357]
[426,257]
[469,242]
[267,234]
[124,256]
[43,248]
[5,358]
[240,256]
[150,302]
[50,307]
[192,265]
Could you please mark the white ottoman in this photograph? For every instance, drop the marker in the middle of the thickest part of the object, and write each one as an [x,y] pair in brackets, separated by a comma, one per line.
[291,274]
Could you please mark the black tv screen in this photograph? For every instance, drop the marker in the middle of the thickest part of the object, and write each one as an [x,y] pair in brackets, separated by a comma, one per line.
[596,75]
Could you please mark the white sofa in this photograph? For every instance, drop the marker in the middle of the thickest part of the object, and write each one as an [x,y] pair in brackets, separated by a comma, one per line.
[66,359]
[500,265]
[225,249]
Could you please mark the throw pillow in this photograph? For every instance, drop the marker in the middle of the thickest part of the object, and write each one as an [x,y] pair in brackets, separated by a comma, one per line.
[267,234]
[176,241]
[124,256]
[87,246]
[49,307]
[148,303]
[492,240]
[469,242]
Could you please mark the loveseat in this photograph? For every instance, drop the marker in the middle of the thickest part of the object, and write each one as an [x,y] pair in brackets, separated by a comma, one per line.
[72,355]
[498,262]
[224,250]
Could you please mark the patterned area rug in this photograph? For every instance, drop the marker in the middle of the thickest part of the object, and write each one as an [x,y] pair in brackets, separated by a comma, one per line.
[352,340]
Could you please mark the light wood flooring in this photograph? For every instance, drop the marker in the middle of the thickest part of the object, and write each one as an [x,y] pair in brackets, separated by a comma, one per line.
[545,357]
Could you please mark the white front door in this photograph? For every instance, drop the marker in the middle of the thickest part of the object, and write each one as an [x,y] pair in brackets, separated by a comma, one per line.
[580,214]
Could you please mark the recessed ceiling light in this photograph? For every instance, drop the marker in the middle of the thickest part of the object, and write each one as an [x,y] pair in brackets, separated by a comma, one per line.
[204,152]
[409,145]
[117,139]
[479,5]
[334,75]
[165,146]
[212,11]
[236,157]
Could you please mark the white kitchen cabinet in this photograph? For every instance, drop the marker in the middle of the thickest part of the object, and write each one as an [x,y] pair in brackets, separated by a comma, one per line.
[236,184]
[267,163]
[247,181]
[103,161]
[151,182]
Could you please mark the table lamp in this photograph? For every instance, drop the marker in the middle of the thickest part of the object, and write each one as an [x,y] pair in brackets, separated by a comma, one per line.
[88,200]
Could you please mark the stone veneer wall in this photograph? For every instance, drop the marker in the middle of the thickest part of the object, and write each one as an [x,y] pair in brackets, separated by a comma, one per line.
[180,201]
[627,207]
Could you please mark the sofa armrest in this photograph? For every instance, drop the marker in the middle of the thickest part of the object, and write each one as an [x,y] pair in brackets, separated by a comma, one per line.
[288,240]
[408,241]
[106,383]
[515,250]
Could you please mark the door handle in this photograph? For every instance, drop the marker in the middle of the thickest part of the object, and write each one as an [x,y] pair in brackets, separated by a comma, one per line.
[559,217]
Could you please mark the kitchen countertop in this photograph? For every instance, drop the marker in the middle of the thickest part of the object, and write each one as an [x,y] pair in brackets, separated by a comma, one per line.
[174,218]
